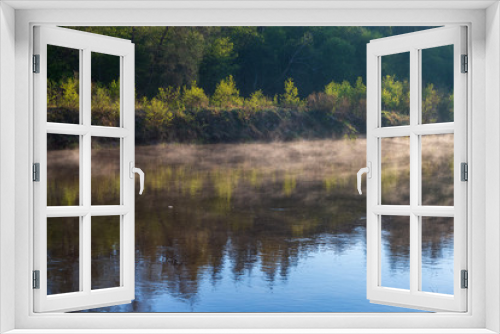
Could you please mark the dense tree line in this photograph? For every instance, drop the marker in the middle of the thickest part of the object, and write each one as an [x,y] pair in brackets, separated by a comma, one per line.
[188,114]
[208,84]
[257,57]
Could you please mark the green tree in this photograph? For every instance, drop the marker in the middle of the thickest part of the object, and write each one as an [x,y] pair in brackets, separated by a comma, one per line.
[157,117]
[258,101]
[395,101]
[340,91]
[194,98]
[70,93]
[226,94]
[437,106]
[218,63]
[290,98]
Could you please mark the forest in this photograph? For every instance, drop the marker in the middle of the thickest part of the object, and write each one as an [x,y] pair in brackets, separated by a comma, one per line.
[240,84]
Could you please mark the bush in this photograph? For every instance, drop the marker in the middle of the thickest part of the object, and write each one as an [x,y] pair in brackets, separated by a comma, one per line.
[185,115]
[70,93]
[63,94]
[437,106]
[194,98]
[157,117]
[226,94]
[114,90]
[395,95]
[339,91]
[395,101]
[258,101]
[105,109]
[322,102]
[290,98]
[344,90]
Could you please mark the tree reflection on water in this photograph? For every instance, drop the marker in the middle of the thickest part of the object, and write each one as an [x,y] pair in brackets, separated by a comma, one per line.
[247,227]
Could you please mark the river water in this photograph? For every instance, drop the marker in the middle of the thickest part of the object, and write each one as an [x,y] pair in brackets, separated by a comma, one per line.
[261,227]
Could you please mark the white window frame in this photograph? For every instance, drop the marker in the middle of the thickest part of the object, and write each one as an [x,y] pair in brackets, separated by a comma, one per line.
[483,21]
[413,44]
[86,44]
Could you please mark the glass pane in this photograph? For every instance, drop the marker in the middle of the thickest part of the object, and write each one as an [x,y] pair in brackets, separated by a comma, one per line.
[437,169]
[395,99]
[395,167]
[437,254]
[105,171]
[63,85]
[105,89]
[105,248]
[395,252]
[63,255]
[437,84]
[63,170]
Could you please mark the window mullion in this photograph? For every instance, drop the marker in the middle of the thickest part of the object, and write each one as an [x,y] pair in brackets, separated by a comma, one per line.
[85,237]
[414,171]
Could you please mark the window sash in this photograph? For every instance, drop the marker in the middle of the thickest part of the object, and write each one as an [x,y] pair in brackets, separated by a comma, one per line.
[87,43]
[413,43]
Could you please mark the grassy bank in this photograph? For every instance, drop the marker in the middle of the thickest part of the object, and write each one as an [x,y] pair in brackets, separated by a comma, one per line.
[188,115]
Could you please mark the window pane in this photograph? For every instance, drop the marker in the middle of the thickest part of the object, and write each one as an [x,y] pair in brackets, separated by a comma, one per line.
[63,86]
[63,170]
[63,255]
[105,171]
[437,169]
[437,254]
[105,248]
[105,89]
[395,168]
[437,84]
[395,99]
[395,252]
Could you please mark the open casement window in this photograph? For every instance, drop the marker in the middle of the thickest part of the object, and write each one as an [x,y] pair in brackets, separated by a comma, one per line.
[410,127]
[84,215]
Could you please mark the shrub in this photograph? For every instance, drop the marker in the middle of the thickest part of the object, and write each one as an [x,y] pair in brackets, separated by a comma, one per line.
[339,91]
[114,90]
[291,97]
[105,109]
[395,95]
[258,101]
[52,93]
[436,105]
[359,90]
[395,101]
[157,116]
[226,94]
[194,98]
[321,102]
[101,100]
[70,93]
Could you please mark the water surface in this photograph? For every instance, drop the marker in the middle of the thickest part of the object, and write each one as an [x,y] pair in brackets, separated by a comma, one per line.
[262,227]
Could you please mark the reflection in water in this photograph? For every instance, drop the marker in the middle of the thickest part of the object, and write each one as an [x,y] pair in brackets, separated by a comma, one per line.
[63,248]
[437,254]
[395,264]
[275,227]
[105,252]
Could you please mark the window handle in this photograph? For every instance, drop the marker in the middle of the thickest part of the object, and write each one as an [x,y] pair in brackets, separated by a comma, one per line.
[368,171]
[141,175]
